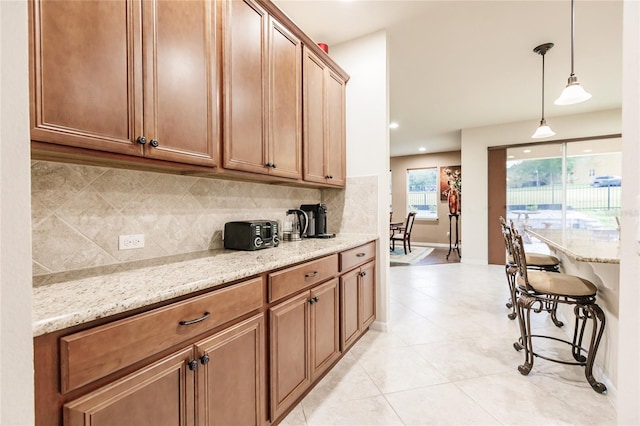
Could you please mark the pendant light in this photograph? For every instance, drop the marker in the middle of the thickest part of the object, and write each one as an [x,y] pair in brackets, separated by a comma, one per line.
[543,130]
[574,93]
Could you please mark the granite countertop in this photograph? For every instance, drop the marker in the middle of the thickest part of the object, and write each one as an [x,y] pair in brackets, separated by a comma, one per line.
[75,298]
[583,245]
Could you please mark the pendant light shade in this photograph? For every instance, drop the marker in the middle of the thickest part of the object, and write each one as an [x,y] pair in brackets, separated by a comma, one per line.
[543,130]
[574,93]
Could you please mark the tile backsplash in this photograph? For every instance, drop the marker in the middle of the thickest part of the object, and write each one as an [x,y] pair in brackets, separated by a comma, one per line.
[79,211]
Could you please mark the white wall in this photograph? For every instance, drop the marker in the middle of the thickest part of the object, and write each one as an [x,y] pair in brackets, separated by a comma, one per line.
[367,110]
[474,165]
[629,319]
[16,353]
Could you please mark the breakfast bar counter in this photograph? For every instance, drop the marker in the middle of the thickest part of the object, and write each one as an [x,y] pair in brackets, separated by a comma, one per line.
[583,245]
[68,299]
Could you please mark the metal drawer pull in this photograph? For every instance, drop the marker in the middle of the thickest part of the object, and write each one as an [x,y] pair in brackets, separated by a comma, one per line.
[360,254]
[311,275]
[194,321]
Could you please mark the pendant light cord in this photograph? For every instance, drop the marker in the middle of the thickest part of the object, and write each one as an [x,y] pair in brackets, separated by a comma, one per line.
[572,19]
[543,87]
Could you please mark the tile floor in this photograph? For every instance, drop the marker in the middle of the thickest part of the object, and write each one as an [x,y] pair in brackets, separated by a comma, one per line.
[448,359]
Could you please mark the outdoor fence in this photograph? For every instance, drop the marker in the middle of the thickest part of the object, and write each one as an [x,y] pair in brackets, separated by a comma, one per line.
[579,197]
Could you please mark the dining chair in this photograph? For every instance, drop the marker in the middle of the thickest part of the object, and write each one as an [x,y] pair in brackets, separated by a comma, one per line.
[404,233]
[536,289]
[536,261]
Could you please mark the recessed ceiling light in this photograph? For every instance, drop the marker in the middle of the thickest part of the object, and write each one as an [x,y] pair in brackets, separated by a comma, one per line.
[422,149]
[511,156]
[588,150]
[526,151]
[394,125]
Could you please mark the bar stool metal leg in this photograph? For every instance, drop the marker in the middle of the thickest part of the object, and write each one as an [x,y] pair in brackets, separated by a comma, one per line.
[584,314]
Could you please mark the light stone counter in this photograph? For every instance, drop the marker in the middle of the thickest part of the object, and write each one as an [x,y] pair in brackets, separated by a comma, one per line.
[583,245]
[74,298]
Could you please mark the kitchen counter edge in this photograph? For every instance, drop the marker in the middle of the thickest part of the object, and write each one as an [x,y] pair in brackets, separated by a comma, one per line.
[69,303]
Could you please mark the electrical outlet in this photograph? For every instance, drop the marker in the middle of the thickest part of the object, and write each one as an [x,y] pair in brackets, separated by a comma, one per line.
[127,242]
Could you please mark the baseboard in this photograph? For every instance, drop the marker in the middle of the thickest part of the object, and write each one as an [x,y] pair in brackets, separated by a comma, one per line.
[379,326]
[438,245]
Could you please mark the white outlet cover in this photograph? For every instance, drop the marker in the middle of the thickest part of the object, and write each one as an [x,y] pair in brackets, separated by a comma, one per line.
[128,242]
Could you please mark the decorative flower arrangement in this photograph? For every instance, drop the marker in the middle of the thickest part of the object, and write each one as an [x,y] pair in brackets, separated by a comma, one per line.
[454,179]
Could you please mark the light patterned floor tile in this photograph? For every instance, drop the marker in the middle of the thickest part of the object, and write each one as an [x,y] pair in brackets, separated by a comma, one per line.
[438,405]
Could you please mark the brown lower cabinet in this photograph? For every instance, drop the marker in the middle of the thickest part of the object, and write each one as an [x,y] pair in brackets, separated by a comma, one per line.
[240,355]
[357,303]
[304,337]
[218,381]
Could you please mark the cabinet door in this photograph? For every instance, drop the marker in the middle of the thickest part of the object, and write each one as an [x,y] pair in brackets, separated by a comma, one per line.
[285,103]
[160,394]
[325,330]
[85,88]
[349,308]
[314,118]
[367,289]
[289,339]
[335,136]
[233,365]
[245,59]
[181,80]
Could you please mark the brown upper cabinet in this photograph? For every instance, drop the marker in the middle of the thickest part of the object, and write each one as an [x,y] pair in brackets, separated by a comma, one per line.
[185,86]
[324,122]
[129,77]
[263,85]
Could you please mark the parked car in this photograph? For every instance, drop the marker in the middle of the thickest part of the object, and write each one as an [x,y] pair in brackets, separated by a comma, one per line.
[606,181]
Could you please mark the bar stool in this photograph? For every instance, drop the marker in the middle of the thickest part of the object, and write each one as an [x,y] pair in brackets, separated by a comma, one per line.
[537,289]
[535,261]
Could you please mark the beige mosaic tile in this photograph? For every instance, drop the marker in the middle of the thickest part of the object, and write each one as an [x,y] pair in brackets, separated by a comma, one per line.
[86,208]
[54,242]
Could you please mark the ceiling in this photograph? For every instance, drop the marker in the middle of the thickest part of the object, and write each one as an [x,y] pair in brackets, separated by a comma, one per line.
[463,64]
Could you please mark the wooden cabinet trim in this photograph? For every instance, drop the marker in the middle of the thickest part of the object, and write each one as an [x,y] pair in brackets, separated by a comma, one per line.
[357,256]
[288,281]
[215,400]
[91,354]
[325,329]
[94,408]
[282,342]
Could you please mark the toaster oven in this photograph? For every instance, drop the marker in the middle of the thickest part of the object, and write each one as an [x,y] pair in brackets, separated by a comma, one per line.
[251,234]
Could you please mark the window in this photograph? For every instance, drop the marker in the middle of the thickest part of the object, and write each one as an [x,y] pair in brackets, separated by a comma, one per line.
[566,185]
[422,192]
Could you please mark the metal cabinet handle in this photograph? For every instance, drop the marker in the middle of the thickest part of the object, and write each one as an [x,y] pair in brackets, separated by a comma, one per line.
[195,321]
[141,140]
[362,274]
[204,359]
[361,254]
[193,364]
[154,143]
[311,275]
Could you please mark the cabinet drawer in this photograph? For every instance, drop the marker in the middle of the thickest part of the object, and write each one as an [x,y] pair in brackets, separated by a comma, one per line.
[91,354]
[357,256]
[288,281]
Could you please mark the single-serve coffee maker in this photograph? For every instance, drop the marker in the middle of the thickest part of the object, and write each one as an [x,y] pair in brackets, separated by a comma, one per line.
[317,226]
